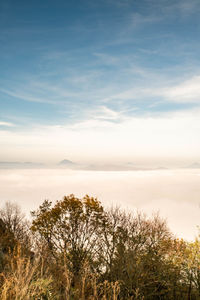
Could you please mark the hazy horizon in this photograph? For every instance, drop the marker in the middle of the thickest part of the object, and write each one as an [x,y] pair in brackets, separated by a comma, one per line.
[106,164]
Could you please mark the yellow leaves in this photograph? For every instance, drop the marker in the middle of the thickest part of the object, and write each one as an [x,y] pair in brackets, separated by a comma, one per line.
[71,223]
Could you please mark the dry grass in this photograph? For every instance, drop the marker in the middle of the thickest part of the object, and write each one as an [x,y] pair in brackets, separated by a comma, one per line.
[23,279]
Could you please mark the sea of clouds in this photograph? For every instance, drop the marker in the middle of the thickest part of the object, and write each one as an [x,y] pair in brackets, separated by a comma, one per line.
[175,194]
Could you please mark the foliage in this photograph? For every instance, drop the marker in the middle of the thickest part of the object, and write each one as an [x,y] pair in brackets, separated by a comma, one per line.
[76,249]
[70,227]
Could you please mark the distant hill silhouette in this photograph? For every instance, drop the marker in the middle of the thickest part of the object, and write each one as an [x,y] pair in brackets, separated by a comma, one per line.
[20,165]
[67,163]
[195,165]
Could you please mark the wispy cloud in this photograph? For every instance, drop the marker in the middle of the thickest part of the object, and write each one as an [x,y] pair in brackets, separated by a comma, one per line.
[168,135]
[105,113]
[8,124]
[92,78]
[188,7]
[188,91]
[26,97]
[138,19]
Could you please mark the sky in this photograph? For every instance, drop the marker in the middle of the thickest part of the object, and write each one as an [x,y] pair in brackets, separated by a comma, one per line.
[105,85]
[100,81]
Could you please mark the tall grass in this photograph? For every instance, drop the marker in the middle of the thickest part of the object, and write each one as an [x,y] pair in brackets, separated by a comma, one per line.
[23,279]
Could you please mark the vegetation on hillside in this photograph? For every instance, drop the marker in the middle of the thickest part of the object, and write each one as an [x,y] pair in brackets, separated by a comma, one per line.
[76,249]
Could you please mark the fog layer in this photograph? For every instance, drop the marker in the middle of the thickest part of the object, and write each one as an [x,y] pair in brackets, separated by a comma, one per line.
[174,193]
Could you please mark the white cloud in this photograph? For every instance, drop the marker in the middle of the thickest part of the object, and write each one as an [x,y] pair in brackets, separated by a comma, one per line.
[25,96]
[133,93]
[169,135]
[104,113]
[187,91]
[2,123]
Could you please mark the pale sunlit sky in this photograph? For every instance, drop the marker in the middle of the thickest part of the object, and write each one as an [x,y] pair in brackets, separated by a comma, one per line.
[100,81]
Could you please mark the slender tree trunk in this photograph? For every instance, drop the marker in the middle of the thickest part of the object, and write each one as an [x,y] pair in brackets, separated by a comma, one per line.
[174,291]
[190,288]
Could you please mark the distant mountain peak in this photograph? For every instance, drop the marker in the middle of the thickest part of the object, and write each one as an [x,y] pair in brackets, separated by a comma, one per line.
[66,162]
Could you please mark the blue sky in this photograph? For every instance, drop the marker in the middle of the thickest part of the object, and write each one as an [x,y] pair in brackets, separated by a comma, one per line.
[99,74]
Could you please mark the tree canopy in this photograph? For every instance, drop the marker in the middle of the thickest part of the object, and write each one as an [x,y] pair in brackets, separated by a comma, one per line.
[77,249]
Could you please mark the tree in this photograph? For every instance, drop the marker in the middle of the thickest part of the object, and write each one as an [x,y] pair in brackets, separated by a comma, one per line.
[191,268]
[139,259]
[71,228]
[15,222]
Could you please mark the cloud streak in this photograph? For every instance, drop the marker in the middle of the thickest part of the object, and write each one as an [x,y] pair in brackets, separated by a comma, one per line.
[186,92]
[6,124]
